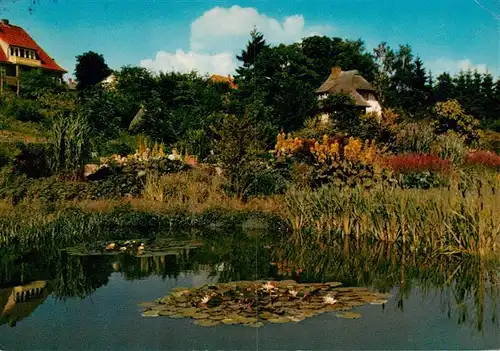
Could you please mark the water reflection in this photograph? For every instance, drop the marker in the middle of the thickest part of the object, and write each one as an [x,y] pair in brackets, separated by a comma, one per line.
[469,287]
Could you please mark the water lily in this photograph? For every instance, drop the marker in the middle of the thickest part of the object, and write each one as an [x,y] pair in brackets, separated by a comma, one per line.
[268,286]
[110,246]
[205,299]
[123,248]
[329,300]
[293,292]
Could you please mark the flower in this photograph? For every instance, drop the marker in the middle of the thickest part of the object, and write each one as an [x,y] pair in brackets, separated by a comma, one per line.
[329,300]
[205,299]
[269,286]
[293,292]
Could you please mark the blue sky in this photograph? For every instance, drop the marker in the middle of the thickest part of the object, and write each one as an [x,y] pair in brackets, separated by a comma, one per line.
[205,35]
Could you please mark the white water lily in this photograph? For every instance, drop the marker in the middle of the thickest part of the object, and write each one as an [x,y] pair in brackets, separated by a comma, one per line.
[123,248]
[293,292]
[268,286]
[205,299]
[330,300]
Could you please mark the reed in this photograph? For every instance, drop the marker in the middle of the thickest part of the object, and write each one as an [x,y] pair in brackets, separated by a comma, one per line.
[458,219]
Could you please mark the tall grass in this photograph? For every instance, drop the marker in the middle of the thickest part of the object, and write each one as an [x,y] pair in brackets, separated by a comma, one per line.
[200,189]
[71,144]
[450,220]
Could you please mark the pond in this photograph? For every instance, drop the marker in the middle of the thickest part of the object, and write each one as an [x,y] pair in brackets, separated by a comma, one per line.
[82,299]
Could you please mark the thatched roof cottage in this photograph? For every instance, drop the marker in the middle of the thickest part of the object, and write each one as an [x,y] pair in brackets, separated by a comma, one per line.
[352,83]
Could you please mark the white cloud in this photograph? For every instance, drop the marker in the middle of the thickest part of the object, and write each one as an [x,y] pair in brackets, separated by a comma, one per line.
[222,63]
[455,66]
[230,26]
[219,33]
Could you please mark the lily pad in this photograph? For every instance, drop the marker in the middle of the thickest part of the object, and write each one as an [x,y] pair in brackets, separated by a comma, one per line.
[279,320]
[205,323]
[378,302]
[349,315]
[229,321]
[150,313]
[146,304]
[201,316]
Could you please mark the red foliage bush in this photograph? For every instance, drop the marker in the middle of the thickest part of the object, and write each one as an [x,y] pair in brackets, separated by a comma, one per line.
[409,163]
[483,158]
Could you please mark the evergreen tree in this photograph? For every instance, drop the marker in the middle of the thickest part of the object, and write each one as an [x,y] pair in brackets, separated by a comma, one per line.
[418,99]
[487,93]
[460,86]
[445,87]
[254,47]
[495,121]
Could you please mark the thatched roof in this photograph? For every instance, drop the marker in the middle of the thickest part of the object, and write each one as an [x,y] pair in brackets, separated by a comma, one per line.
[216,78]
[349,82]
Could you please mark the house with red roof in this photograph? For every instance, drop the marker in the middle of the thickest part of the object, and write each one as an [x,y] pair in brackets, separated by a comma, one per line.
[19,52]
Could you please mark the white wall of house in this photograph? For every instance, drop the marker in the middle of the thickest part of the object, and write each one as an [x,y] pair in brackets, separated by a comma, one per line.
[324,118]
[374,107]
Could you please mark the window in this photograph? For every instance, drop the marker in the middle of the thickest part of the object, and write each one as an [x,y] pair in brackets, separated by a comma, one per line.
[25,53]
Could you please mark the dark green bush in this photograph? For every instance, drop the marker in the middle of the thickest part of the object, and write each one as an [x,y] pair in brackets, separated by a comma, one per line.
[116,148]
[32,161]
[24,110]
[8,152]
[423,180]
[265,183]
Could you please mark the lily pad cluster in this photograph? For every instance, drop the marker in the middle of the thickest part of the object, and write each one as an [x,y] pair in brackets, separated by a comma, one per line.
[134,247]
[254,303]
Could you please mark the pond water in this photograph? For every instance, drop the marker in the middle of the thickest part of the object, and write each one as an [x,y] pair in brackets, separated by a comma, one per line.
[90,301]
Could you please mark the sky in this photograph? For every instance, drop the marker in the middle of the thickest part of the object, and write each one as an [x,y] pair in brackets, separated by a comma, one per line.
[206,35]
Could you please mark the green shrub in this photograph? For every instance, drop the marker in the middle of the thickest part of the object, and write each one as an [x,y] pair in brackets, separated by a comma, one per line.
[450,146]
[8,152]
[71,144]
[414,138]
[24,110]
[449,115]
[33,161]
[116,148]
[423,180]
[265,183]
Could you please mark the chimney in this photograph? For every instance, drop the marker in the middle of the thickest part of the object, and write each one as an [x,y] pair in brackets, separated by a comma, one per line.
[335,72]
[5,21]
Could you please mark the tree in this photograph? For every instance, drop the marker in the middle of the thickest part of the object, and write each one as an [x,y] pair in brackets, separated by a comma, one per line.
[249,56]
[91,69]
[35,82]
[254,47]
[343,112]
[384,59]
[238,145]
[449,115]
[285,79]
[103,110]
[326,53]
[444,89]
[418,101]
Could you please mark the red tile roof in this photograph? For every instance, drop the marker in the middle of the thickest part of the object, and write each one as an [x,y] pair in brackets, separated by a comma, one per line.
[16,36]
